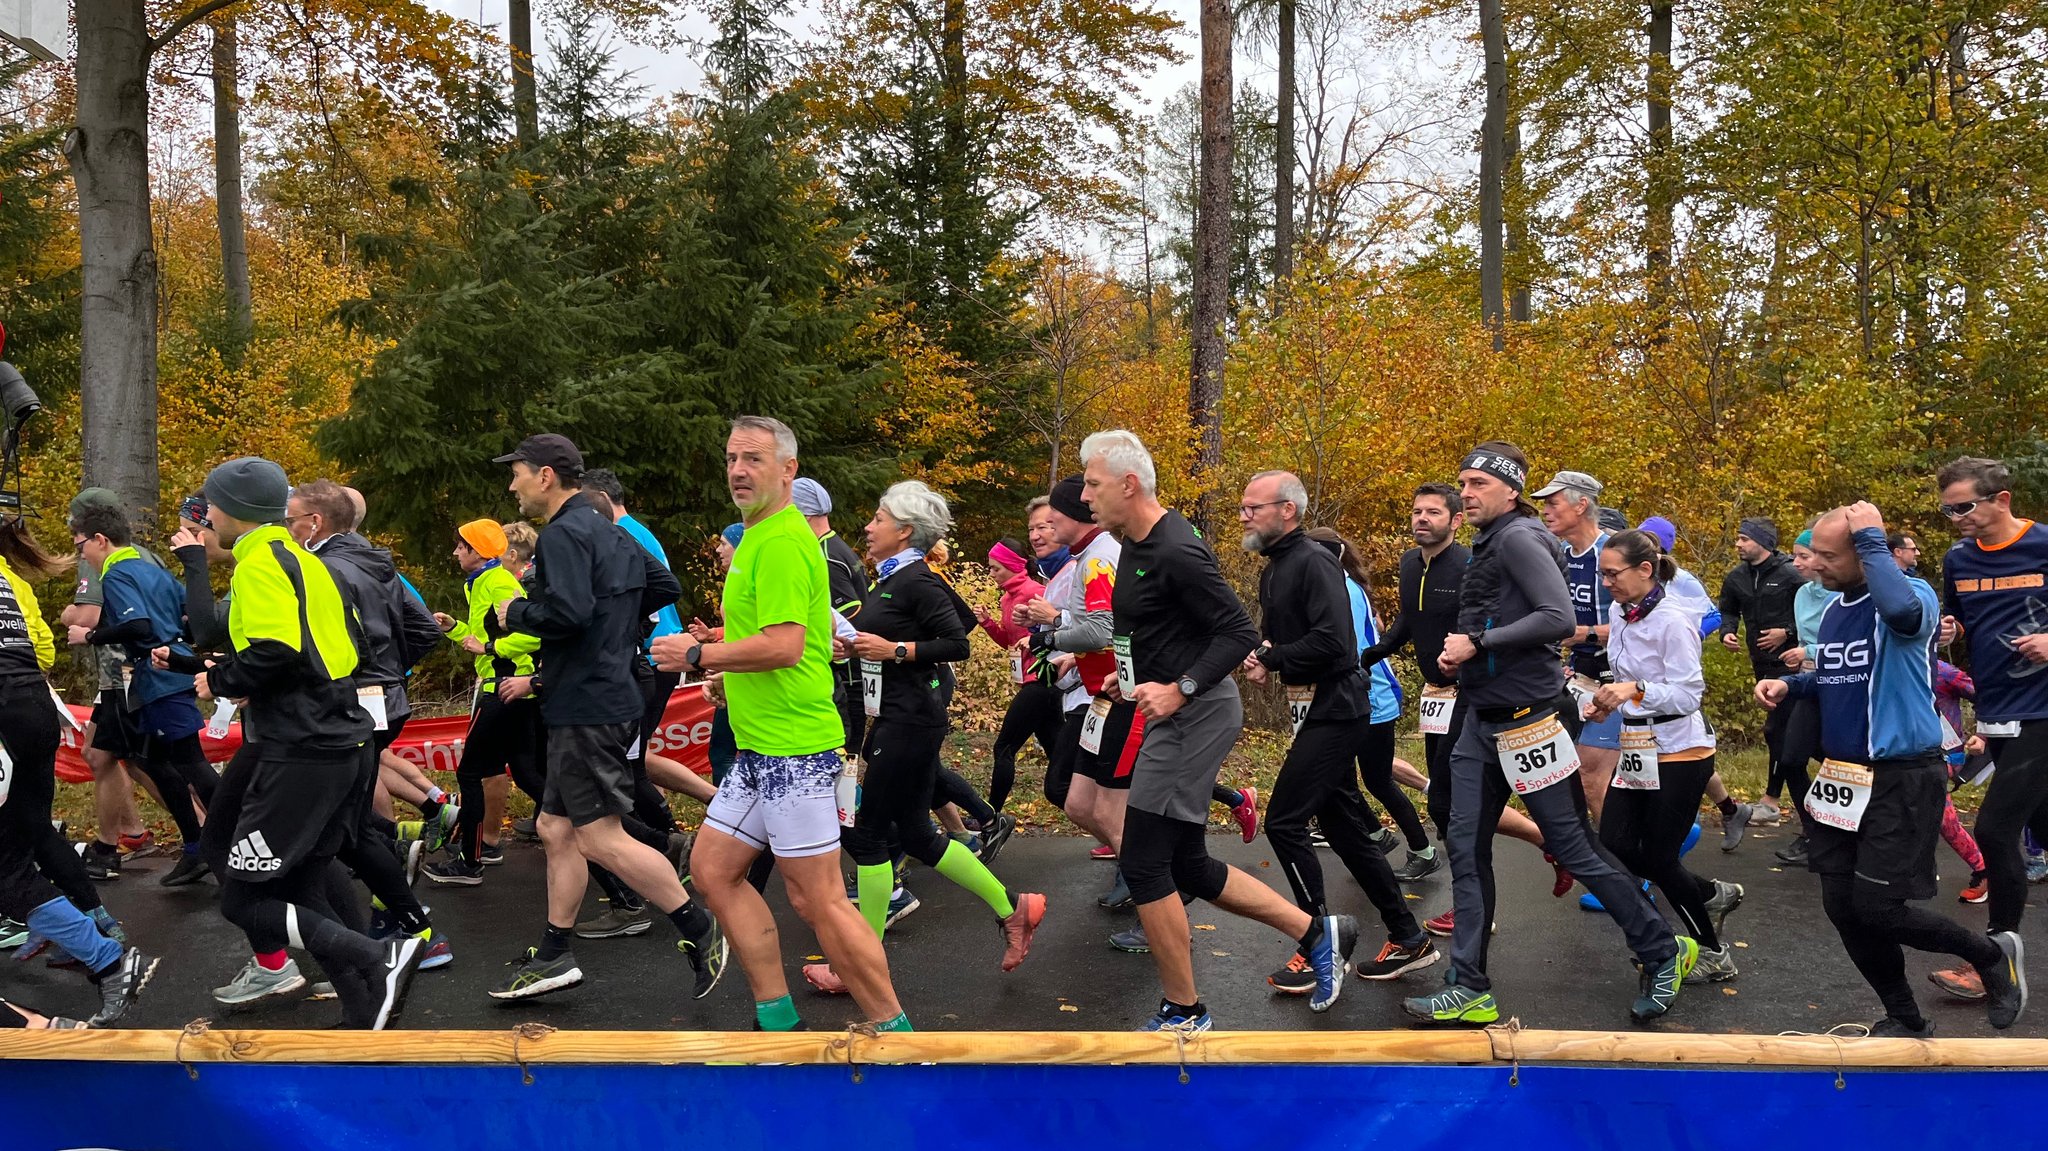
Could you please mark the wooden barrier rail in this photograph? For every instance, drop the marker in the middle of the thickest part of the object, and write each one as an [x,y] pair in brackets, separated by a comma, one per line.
[536,1044]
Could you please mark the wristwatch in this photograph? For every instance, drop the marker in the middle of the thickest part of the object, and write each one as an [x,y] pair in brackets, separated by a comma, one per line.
[1188,686]
[695,656]
[902,653]
[1478,639]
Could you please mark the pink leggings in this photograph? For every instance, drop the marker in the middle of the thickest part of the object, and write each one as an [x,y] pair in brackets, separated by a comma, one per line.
[1958,837]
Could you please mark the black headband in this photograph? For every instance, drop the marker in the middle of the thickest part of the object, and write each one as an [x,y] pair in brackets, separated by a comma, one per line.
[1498,466]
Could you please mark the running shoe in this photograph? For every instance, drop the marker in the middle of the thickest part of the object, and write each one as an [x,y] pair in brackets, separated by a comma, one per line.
[321,992]
[441,828]
[100,866]
[1297,978]
[707,952]
[393,978]
[255,981]
[1419,865]
[901,904]
[1443,925]
[1660,984]
[1726,898]
[1978,891]
[415,853]
[1733,826]
[526,828]
[1692,840]
[1247,813]
[1591,902]
[612,923]
[455,872]
[971,840]
[490,854]
[537,976]
[1765,815]
[1793,853]
[1714,966]
[1387,839]
[1118,897]
[1396,960]
[1102,851]
[1132,942]
[1560,880]
[137,844]
[437,954]
[994,839]
[2005,982]
[821,976]
[1961,982]
[1892,1028]
[1329,955]
[410,831]
[1018,927]
[1316,838]
[121,985]
[1169,1019]
[2037,867]
[1454,1005]
[12,934]
[189,869]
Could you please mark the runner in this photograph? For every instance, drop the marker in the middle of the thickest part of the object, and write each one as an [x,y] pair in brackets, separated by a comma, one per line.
[782,794]
[1307,617]
[1760,591]
[1179,632]
[1667,752]
[505,733]
[1514,609]
[1432,572]
[908,630]
[1571,510]
[1905,551]
[1034,710]
[1877,804]
[289,801]
[1993,595]
[592,587]
[30,728]
[849,578]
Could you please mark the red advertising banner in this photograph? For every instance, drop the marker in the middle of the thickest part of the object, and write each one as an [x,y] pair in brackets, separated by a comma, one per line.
[436,744]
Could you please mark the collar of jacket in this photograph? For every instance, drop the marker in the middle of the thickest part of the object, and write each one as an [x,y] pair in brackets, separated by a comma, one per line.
[1284,544]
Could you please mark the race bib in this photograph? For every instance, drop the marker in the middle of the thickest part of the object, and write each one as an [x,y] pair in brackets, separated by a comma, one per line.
[2006,730]
[1298,699]
[1437,703]
[1840,794]
[1017,664]
[846,791]
[1949,739]
[372,701]
[1126,677]
[1582,688]
[871,687]
[128,682]
[223,715]
[1092,725]
[1536,755]
[1636,770]
[64,713]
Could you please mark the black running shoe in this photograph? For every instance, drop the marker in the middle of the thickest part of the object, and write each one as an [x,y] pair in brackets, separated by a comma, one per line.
[190,869]
[121,985]
[708,953]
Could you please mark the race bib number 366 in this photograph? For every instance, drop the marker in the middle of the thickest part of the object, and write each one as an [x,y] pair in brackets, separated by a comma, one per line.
[1537,755]
[1636,768]
[1840,794]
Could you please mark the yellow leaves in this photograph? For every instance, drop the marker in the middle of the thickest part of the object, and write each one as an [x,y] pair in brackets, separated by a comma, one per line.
[932,417]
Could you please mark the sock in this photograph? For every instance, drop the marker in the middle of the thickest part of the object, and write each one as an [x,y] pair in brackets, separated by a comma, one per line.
[777,1014]
[874,883]
[413,921]
[99,847]
[1727,807]
[1315,932]
[104,919]
[690,919]
[1426,853]
[436,796]
[273,960]
[900,1023]
[1184,1010]
[960,866]
[60,922]
[430,809]
[554,941]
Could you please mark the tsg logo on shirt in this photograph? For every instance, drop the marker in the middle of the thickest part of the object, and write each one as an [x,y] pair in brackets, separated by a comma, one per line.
[1842,656]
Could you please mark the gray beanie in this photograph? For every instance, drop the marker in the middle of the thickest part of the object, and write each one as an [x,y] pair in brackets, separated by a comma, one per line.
[810,497]
[249,488]
[1763,531]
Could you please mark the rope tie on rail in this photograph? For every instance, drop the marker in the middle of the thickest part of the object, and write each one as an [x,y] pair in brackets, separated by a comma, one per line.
[524,1031]
[1834,1035]
[860,1029]
[1507,1031]
[193,1030]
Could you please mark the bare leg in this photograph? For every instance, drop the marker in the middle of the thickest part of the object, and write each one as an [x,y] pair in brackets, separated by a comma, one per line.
[1716,790]
[672,776]
[568,874]
[1596,771]
[637,865]
[1407,776]
[497,789]
[949,819]
[113,796]
[1516,825]
[401,779]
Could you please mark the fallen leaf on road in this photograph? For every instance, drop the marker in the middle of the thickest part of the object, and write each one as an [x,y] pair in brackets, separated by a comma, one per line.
[1068,1007]
[814,959]
[1411,895]
[1741,944]
[1727,991]
[1205,927]
[1219,954]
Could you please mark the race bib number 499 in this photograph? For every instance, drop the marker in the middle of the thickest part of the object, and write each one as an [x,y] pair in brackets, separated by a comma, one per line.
[1840,794]
[1537,755]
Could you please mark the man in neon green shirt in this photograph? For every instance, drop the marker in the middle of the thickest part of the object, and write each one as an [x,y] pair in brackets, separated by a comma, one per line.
[780,794]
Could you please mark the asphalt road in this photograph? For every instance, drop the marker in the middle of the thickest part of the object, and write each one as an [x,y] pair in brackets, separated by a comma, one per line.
[1553,965]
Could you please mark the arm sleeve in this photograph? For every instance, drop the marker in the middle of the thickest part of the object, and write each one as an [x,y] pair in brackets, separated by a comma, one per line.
[1533,567]
[939,620]
[1092,629]
[1951,603]
[1327,645]
[202,620]
[1205,595]
[1731,605]
[1899,603]
[1799,686]
[136,630]
[1391,641]
[570,600]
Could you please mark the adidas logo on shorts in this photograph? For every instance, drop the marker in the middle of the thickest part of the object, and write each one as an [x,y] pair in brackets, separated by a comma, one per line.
[253,854]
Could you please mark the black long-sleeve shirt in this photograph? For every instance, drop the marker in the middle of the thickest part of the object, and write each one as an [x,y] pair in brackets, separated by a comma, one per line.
[1763,594]
[1310,636]
[206,619]
[914,606]
[1428,610]
[1515,604]
[593,586]
[1173,607]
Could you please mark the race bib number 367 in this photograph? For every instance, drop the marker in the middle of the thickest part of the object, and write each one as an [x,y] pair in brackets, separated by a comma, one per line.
[1840,794]
[1537,755]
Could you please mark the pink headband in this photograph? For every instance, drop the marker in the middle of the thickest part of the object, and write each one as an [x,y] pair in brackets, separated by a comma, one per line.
[1001,554]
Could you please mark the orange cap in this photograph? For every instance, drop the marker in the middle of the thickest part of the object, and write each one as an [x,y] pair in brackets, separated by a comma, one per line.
[485,536]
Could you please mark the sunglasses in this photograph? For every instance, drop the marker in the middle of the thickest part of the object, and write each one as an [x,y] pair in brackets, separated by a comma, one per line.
[1958,511]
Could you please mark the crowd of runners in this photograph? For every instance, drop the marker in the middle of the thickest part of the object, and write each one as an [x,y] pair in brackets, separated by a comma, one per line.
[1561,704]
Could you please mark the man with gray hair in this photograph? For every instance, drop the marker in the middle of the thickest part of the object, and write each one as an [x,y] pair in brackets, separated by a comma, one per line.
[1571,510]
[1179,631]
[782,792]
[1311,645]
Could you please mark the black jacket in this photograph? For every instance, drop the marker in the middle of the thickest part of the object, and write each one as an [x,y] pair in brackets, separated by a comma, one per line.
[1516,606]
[914,606]
[397,630]
[1428,610]
[593,586]
[1307,622]
[1762,594]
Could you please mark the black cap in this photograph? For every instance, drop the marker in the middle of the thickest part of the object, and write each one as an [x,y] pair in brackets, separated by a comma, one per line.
[546,450]
[1066,500]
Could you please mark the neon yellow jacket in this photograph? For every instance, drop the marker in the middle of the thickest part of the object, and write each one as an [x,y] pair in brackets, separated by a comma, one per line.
[510,654]
[25,642]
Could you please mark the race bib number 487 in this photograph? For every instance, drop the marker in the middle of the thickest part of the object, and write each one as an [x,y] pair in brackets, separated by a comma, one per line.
[1435,709]
[1537,755]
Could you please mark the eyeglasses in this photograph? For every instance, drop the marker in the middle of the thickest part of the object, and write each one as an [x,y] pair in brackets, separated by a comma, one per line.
[1958,511]
[1246,511]
[301,516]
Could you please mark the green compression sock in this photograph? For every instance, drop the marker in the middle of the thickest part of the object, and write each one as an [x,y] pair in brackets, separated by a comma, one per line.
[960,866]
[900,1023]
[875,884]
[777,1015]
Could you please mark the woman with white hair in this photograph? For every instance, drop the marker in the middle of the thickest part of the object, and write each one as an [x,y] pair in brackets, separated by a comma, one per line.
[909,630]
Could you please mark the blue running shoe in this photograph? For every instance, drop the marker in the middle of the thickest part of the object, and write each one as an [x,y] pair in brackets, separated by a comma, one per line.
[1329,957]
